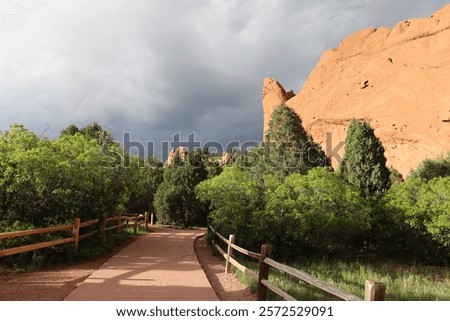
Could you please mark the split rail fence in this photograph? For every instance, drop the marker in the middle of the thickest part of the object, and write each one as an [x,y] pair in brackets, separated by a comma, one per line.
[119,222]
[374,291]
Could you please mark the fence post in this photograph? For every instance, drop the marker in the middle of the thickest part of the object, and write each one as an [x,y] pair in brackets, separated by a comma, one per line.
[76,234]
[213,240]
[147,215]
[263,272]
[102,226]
[229,253]
[151,218]
[136,223]
[374,291]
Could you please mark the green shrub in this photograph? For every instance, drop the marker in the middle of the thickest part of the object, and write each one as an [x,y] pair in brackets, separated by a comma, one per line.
[424,208]
[317,211]
[433,168]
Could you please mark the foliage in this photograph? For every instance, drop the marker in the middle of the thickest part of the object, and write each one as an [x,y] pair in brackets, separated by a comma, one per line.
[235,199]
[175,201]
[316,211]
[285,126]
[81,174]
[432,168]
[288,148]
[62,254]
[365,209]
[364,163]
[424,206]
[145,178]
[395,176]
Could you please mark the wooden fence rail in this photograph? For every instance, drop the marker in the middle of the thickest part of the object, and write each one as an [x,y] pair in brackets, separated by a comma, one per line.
[374,291]
[76,236]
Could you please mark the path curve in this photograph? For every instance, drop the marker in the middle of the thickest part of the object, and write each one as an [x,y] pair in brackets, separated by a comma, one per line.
[159,266]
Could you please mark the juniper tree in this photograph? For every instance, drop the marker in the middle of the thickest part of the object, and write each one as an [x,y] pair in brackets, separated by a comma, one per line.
[364,163]
[288,148]
[175,201]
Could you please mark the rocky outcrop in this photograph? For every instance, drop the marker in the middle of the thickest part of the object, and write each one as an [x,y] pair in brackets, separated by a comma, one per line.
[396,79]
[180,151]
[226,159]
[273,94]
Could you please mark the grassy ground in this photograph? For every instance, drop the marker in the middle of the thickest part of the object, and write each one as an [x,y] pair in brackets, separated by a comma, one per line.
[403,283]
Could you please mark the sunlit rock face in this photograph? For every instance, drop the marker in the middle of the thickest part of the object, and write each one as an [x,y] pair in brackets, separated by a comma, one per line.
[397,79]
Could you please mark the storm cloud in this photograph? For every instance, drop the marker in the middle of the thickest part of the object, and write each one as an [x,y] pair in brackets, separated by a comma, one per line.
[156,68]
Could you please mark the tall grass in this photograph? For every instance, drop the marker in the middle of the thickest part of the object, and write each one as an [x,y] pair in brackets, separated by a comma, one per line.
[403,283]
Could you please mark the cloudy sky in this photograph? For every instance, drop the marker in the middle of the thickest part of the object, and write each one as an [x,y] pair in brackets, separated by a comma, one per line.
[153,68]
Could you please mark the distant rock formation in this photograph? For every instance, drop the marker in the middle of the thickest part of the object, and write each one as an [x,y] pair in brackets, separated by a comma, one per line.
[181,151]
[398,80]
[226,159]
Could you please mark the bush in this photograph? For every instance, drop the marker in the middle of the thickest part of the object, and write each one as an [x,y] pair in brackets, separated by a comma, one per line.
[317,211]
[424,207]
[235,200]
[433,168]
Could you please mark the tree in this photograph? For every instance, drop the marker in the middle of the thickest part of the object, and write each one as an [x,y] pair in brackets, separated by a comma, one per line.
[285,126]
[425,206]
[432,168]
[175,200]
[316,211]
[288,148]
[234,198]
[15,146]
[364,163]
[97,132]
[145,178]
[70,130]
[45,182]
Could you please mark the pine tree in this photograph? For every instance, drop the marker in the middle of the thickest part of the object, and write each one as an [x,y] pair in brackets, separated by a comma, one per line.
[286,126]
[364,163]
[288,148]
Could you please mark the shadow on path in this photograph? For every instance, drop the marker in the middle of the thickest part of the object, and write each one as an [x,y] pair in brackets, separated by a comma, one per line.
[160,266]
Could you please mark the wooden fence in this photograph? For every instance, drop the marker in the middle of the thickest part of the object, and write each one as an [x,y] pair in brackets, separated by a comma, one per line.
[374,291]
[76,227]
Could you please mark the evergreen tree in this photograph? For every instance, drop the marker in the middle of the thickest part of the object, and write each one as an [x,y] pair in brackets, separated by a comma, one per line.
[70,130]
[175,200]
[364,163]
[286,126]
[288,148]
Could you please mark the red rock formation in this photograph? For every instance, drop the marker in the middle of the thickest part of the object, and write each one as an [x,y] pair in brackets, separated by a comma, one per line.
[181,151]
[273,94]
[398,80]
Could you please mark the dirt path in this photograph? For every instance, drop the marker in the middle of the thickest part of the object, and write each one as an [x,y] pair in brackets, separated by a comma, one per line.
[226,286]
[56,283]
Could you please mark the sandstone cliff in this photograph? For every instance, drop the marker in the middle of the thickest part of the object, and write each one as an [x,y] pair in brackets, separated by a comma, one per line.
[398,80]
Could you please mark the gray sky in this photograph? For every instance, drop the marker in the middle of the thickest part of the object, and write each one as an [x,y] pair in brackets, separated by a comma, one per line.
[154,68]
